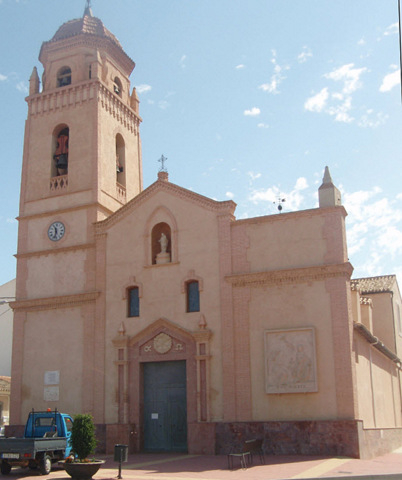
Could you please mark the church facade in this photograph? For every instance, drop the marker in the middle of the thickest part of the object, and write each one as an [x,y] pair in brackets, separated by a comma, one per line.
[177,326]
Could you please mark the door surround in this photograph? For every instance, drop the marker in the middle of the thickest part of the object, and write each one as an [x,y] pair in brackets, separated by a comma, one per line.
[162,341]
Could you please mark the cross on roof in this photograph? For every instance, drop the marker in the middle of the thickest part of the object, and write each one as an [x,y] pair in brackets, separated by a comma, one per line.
[162,160]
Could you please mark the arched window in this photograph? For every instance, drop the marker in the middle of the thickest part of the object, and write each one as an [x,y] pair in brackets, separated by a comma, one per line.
[161,243]
[120,160]
[60,155]
[64,77]
[133,302]
[117,86]
[193,296]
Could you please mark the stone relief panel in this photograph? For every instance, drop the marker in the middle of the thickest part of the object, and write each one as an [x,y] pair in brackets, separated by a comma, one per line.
[162,344]
[290,361]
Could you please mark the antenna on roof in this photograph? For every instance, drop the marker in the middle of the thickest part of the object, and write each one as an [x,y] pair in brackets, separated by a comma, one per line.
[279,202]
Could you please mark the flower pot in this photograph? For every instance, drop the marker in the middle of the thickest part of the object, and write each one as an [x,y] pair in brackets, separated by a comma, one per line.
[82,471]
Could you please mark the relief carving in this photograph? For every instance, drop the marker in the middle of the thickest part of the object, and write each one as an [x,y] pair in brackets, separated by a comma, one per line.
[290,361]
[162,344]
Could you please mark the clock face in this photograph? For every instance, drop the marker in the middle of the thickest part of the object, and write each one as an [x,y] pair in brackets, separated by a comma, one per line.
[56,231]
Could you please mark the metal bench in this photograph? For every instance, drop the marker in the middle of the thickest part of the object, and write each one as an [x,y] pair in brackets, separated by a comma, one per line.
[248,449]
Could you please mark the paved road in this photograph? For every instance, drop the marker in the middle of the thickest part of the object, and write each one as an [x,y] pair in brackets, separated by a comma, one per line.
[209,467]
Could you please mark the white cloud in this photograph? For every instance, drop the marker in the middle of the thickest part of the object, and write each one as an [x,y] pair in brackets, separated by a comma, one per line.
[277,78]
[229,195]
[301,184]
[349,75]
[372,120]
[268,195]
[163,104]
[253,112]
[337,102]
[317,102]
[304,55]
[374,229]
[390,81]
[182,61]
[2,78]
[293,199]
[21,87]
[143,88]
[240,67]
[392,29]
[253,175]
[263,125]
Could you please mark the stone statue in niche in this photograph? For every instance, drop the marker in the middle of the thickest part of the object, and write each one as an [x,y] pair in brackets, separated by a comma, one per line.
[164,255]
[164,243]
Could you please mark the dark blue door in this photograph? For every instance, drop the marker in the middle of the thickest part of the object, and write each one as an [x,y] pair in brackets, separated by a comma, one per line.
[165,406]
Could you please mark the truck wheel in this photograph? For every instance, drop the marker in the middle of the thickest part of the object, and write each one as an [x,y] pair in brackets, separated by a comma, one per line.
[5,468]
[45,465]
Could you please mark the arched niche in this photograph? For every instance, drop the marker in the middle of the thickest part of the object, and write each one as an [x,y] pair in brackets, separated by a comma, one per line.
[161,243]
[152,235]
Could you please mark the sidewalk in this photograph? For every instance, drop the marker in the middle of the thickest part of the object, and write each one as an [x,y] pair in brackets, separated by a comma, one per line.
[207,467]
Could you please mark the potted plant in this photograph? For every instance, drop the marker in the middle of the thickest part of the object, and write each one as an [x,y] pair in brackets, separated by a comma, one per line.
[83,443]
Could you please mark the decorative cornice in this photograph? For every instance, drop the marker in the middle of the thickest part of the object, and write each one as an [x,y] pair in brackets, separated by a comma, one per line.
[40,253]
[113,104]
[62,98]
[51,303]
[225,207]
[312,212]
[77,93]
[290,276]
[91,41]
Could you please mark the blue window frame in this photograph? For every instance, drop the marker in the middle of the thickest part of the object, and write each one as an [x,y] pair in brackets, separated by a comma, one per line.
[133,302]
[193,296]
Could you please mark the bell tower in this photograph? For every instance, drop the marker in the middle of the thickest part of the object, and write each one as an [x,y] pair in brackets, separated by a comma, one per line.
[81,162]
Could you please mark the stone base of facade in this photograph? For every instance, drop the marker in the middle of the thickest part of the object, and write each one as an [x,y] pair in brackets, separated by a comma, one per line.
[379,441]
[345,438]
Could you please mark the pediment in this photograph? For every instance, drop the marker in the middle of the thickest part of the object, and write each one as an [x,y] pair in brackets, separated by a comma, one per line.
[160,335]
[224,207]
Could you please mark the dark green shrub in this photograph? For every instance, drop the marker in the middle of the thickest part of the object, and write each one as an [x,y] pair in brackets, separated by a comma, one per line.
[83,438]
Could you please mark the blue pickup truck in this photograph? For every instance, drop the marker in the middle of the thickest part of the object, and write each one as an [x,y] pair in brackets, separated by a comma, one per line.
[47,439]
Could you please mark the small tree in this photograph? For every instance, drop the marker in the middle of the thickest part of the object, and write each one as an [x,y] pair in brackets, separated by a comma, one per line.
[83,440]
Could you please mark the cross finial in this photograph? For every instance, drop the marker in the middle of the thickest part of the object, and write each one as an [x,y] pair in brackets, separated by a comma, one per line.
[162,161]
[88,10]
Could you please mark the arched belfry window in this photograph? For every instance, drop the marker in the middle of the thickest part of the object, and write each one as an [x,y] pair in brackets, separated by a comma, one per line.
[117,86]
[64,77]
[161,243]
[120,160]
[60,155]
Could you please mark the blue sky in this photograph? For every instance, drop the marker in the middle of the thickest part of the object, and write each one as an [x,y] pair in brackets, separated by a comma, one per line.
[248,101]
